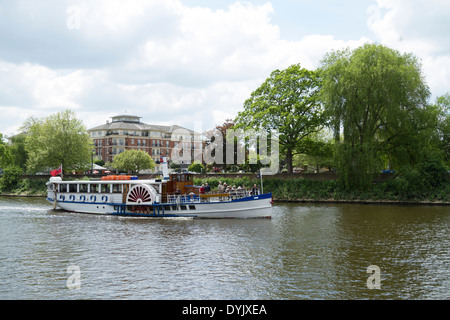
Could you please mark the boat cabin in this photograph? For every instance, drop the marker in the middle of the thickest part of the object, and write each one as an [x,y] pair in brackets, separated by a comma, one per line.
[182,183]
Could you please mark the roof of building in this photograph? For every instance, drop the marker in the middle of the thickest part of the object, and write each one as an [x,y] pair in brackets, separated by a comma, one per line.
[136,126]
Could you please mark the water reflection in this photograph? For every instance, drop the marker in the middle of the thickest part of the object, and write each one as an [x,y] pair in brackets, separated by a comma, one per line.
[305,252]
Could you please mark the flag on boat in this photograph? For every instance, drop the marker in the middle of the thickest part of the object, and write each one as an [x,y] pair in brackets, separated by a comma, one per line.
[56,171]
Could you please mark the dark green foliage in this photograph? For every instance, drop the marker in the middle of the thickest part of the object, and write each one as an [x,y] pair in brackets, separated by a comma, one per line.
[409,186]
[288,101]
[11,177]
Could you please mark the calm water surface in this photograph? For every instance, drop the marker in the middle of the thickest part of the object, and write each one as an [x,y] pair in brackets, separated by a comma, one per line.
[306,251]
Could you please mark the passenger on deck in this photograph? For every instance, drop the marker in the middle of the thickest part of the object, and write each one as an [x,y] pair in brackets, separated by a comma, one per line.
[255,190]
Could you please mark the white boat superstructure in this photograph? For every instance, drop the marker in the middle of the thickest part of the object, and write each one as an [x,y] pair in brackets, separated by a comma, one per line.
[174,197]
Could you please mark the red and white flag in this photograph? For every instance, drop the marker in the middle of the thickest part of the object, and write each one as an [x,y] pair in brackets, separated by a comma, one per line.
[56,171]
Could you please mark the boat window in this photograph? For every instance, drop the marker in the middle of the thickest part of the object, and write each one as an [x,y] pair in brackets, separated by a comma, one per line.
[104,188]
[167,208]
[72,188]
[117,188]
[94,188]
[191,207]
[62,188]
[174,207]
[183,207]
[83,187]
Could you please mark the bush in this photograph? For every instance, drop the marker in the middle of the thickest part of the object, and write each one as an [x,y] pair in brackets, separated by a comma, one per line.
[408,185]
[32,186]
[197,167]
[11,177]
[433,172]
[214,182]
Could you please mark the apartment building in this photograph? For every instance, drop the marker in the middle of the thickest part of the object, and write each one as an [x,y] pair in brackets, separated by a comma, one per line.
[128,132]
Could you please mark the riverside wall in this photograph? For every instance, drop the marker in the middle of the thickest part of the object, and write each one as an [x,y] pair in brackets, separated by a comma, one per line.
[324,176]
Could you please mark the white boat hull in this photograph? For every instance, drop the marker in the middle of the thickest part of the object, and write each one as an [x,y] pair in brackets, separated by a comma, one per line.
[250,207]
[143,198]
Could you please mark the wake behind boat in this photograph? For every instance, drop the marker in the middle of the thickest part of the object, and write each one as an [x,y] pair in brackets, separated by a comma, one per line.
[174,196]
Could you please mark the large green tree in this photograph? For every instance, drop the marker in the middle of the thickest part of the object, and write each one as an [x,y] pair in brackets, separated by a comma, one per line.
[18,150]
[133,161]
[58,139]
[5,153]
[11,172]
[288,101]
[443,107]
[376,100]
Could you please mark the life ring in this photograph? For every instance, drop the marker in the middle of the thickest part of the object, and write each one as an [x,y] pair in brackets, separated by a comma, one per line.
[72,197]
[93,198]
[104,198]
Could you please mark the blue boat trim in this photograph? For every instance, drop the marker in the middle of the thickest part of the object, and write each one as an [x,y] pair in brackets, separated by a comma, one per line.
[250,198]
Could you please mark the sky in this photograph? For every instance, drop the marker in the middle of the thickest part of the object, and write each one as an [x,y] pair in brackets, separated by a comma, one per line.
[190,61]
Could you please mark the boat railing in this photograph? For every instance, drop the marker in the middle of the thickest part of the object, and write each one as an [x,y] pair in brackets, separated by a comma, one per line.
[213,196]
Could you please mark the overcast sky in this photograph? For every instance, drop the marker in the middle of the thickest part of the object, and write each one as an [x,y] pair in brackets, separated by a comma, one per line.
[181,61]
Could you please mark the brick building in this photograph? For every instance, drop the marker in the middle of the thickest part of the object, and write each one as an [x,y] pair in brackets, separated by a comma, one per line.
[128,132]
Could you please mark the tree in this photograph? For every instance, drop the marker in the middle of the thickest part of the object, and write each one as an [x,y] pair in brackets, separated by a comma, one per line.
[319,152]
[443,107]
[197,167]
[18,150]
[376,101]
[5,153]
[58,139]
[215,144]
[133,160]
[11,177]
[11,172]
[288,101]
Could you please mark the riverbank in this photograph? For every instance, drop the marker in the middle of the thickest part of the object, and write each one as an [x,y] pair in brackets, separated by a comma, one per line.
[275,200]
[373,202]
[27,188]
[298,190]
[390,191]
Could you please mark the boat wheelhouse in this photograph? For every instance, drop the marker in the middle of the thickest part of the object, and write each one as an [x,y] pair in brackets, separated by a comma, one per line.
[175,196]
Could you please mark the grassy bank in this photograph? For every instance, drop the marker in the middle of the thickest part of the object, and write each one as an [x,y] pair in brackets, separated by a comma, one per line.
[398,189]
[329,190]
[27,187]
[393,190]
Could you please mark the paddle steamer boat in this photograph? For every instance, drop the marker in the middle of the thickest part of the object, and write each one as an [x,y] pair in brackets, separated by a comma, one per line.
[173,196]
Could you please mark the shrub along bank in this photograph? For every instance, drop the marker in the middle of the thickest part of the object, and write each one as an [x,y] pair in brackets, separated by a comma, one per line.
[25,187]
[407,187]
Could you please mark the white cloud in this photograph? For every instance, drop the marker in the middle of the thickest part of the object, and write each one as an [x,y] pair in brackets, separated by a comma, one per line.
[420,27]
[173,63]
[40,87]
[236,44]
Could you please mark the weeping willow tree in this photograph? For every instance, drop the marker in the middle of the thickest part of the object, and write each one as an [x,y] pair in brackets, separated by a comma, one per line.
[376,101]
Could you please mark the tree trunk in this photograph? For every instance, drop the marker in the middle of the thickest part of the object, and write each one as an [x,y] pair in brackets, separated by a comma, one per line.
[289,159]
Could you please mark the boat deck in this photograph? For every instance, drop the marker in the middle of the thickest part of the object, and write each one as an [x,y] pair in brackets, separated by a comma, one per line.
[208,197]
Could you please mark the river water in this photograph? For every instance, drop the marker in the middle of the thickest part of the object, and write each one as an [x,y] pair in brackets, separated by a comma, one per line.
[306,251]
